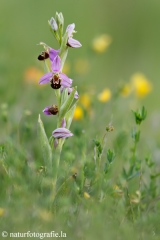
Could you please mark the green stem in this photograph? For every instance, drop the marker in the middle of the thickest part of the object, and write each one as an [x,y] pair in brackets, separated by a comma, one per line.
[46,67]
[63,50]
[55,167]
[135,148]
[134,153]
[57,152]
[63,56]
[58,96]
[102,144]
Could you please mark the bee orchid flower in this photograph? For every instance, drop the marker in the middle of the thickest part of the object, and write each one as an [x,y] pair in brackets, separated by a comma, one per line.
[56,77]
[53,110]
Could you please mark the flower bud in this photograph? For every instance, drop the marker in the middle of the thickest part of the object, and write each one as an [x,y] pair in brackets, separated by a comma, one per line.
[63,123]
[61,133]
[53,24]
[60,19]
[109,128]
[54,28]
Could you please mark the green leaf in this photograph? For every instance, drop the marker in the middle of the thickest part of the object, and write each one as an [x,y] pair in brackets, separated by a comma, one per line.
[149,162]
[51,142]
[131,170]
[96,142]
[64,95]
[44,145]
[136,174]
[155,176]
[124,173]
[140,115]
[98,146]
[67,104]
[110,156]
[69,115]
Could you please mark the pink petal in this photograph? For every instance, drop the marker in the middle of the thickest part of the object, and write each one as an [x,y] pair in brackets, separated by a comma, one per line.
[56,64]
[45,78]
[73,43]
[70,29]
[53,53]
[45,111]
[66,81]
[61,133]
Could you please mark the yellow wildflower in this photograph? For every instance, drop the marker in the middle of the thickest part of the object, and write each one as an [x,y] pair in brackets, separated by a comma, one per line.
[101,43]
[82,66]
[85,100]
[2,212]
[78,113]
[105,95]
[86,195]
[141,85]
[125,90]
[33,75]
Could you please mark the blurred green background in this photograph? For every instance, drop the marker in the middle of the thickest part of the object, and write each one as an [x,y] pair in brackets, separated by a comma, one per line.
[133,26]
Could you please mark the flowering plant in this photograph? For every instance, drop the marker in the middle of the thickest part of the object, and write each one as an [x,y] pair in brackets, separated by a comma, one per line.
[66,96]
